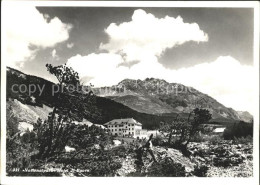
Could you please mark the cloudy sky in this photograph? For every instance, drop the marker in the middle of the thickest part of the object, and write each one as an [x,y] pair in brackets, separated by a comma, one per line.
[210,49]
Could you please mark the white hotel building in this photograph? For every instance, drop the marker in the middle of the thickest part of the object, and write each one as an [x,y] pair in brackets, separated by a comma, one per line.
[124,127]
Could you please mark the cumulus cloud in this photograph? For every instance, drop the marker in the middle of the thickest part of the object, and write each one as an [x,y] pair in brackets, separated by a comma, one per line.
[144,39]
[27,30]
[225,79]
[102,68]
[145,35]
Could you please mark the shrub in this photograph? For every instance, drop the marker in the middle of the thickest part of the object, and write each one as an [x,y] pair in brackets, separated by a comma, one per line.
[18,148]
[215,139]
[200,171]
[226,157]
[166,168]
[91,156]
[103,165]
[11,122]
[158,141]
[91,162]
[17,155]
[19,151]
[83,137]
[184,130]
[198,138]
[52,136]
[203,152]
[243,140]
[120,151]
[227,161]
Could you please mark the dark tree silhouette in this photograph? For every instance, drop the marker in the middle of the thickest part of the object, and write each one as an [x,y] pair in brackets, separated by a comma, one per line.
[72,102]
[140,152]
[184,129]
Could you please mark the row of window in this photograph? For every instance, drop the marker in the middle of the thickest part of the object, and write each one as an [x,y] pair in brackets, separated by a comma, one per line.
[121,129]
[120,125]
[128,133]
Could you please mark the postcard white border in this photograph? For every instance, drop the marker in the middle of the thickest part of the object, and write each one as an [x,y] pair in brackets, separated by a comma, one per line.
[133,180]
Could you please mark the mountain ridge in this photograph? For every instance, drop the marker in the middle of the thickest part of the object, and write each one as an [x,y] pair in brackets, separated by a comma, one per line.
[29,106]
[105,106]
[157,96]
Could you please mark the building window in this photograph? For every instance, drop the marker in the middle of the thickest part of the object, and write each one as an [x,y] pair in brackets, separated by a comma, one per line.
[133,125]
[133,133]
[115,130]
[119,129]
[132,128]
[112,130]
[129,128]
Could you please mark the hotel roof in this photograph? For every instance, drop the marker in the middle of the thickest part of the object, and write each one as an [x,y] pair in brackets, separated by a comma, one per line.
[120,121]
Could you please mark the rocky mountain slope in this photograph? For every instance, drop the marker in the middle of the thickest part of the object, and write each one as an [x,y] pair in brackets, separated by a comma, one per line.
[143,102]
[156,96]
[28,106]
[245,116]
[28,113]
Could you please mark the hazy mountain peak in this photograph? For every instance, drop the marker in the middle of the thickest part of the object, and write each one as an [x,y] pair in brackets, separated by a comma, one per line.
[157,96]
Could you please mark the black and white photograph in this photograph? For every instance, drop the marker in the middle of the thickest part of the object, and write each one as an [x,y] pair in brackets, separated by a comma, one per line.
[130,89]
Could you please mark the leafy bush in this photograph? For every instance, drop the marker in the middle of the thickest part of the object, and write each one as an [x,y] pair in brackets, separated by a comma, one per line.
[226,162]
[183,130]
[243,140]
[198,138]
[166,168]
[83,136]
[159,141]
[102,165]
[226,157]
[92,157]
[91,162]
[18,150]
[17,155]
[203,152]
[215,139]
[200,171]
[52,136]
[11,123]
